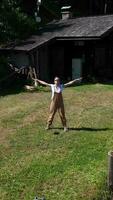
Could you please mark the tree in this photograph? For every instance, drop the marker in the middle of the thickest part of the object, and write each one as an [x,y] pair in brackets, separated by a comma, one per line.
[17,20]
[14,24]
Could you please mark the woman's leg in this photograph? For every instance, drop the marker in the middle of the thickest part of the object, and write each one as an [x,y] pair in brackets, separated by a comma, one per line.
[61,112]
[53,109]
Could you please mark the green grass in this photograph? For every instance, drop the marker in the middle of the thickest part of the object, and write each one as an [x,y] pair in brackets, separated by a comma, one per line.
[71,165]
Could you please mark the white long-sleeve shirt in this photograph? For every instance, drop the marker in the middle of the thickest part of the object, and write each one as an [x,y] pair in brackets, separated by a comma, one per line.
[56,89]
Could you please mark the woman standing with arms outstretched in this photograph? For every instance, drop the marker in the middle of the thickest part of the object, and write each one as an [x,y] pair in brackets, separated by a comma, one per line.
[57,103]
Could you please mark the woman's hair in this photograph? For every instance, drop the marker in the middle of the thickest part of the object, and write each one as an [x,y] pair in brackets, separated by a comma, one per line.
[56,78]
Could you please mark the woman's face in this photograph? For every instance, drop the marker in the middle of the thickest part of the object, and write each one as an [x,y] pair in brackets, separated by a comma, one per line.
[56,81]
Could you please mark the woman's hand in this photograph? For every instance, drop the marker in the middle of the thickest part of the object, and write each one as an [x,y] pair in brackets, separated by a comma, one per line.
[73,81]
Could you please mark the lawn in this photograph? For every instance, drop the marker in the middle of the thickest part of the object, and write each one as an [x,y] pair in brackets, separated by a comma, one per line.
[62,166]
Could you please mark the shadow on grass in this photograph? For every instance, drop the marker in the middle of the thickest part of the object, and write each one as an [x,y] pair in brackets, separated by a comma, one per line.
[16,89]
[89,129]
[11,90]
[13,86]
[82,129]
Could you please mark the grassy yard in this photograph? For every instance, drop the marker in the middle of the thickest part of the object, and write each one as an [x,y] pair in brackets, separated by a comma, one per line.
[63,166]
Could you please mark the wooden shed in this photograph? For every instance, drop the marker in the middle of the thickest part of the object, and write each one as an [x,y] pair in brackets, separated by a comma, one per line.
[68,48]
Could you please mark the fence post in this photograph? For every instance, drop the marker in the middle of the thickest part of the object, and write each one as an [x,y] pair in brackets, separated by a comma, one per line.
[110,170]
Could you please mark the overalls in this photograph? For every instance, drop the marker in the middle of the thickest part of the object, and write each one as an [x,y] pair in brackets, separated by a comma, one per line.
[57,105]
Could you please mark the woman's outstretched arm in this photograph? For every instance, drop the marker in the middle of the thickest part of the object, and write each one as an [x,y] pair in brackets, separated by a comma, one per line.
[42,82]
[72,82]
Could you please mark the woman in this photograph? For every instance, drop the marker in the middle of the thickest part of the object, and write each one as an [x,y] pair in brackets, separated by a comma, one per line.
[57,103]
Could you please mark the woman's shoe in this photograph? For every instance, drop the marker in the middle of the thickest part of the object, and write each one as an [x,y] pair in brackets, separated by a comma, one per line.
[47,127]
[65,129]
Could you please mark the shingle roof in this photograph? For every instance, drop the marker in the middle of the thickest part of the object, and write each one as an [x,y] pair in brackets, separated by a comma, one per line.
[83,27]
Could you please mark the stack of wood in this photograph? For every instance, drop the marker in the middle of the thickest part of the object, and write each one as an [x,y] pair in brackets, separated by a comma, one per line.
[33,76]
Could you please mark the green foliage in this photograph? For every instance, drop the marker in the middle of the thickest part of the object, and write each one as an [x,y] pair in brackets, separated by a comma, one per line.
[13,23]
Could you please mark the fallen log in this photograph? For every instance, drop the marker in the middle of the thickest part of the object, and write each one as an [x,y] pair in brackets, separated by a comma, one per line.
[29,88]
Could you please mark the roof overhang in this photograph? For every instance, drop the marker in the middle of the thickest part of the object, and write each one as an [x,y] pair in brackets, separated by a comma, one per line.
[36,46]
[77,38]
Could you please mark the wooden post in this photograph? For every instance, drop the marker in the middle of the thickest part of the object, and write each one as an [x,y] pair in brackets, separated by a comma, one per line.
[35,76]
[110,170]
